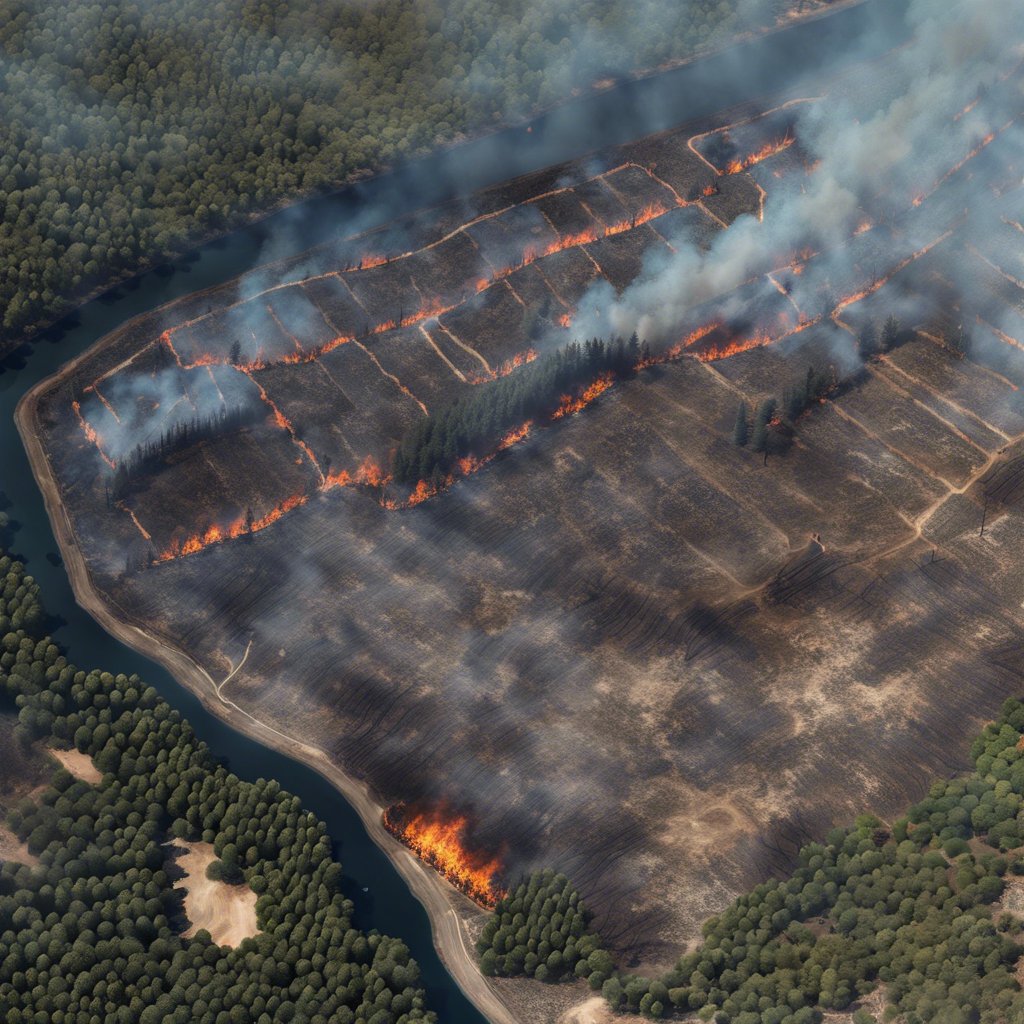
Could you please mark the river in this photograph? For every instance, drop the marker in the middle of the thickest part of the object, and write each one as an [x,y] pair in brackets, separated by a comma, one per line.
[617,115]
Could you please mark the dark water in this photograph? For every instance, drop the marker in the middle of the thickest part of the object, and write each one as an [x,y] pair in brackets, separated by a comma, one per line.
[615,116]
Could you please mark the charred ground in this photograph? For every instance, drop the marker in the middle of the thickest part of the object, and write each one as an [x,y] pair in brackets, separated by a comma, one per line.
[595,647]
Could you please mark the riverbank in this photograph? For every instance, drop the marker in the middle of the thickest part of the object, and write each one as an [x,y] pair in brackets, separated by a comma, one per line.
[451,938]
[325,192]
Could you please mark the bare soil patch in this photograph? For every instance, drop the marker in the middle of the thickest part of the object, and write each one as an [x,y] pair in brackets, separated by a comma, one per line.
[78,764]
[594,1010]
[12,848]
[227,912]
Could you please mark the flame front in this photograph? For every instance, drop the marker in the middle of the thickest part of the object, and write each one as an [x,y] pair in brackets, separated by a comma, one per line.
[438,837]
[91,436]
[767,150]
[570,404]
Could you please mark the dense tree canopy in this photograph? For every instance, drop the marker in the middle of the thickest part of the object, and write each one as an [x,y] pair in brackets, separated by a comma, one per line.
[542,930]
[127,127]
[87,935]
[474,424]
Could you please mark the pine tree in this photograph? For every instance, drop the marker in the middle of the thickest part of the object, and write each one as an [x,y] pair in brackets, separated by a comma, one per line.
[759,439]
[741,432]
[890,333]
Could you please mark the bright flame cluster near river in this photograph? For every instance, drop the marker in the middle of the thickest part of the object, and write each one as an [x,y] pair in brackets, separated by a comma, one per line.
[438,837]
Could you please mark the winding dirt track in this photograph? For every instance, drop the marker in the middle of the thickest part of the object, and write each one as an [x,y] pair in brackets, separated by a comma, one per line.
[428,887]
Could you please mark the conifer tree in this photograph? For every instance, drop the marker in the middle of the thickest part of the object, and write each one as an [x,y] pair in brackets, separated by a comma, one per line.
[741,431]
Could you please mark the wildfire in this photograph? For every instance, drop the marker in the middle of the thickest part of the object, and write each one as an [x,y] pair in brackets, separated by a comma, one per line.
[650,212]
[424,489]
[570,405]
[676,350]
[849,300]
[565,320]
[732,348]
[369,262]
[507,367]
[519,359]
[1001,335]
[180,546]
[767,150]
[370,473]
[986,141]
[438,837]
[284,423]
[91,436]
[430,311]
[99,394]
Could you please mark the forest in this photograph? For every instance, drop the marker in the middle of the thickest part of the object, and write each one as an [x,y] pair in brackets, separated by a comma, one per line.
[474,424]
[911,906]
[129,130]
[542,929]
[146,457]
[90,932]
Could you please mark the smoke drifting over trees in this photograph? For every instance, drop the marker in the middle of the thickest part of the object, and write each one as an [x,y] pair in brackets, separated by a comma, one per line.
[127,128]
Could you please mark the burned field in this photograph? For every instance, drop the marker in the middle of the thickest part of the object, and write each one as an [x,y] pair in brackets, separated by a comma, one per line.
[584,650]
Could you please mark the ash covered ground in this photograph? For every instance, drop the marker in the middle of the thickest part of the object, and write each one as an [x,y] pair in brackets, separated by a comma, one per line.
[625,647]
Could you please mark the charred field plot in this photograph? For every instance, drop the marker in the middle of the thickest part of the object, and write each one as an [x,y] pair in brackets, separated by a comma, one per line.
[620,643]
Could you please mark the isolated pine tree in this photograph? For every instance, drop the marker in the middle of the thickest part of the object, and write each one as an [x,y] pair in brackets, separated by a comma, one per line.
[759,439]
[890,333]
[741,432]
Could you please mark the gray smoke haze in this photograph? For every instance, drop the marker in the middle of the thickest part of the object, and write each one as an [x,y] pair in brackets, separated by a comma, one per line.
[876,149]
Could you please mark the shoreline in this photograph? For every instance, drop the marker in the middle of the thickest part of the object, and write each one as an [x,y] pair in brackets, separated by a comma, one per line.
[448,929]
[148,264]
[432,891]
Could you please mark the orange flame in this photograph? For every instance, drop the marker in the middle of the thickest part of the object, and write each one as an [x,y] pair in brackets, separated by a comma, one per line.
[284,423]
[870,289]
[507,367]
[919,199]
[438,837]
[570,405]
[767,150]
[425,489]
[91,436]
[723,350]
[181,546]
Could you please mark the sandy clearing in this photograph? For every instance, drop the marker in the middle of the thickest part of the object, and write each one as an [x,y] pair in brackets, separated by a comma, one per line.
[227,912]
[12,848]
[591,1011]
[432,891]
[78,764]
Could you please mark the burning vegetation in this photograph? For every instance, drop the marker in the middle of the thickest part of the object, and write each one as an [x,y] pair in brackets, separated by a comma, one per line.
[439,836]
[525,587]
